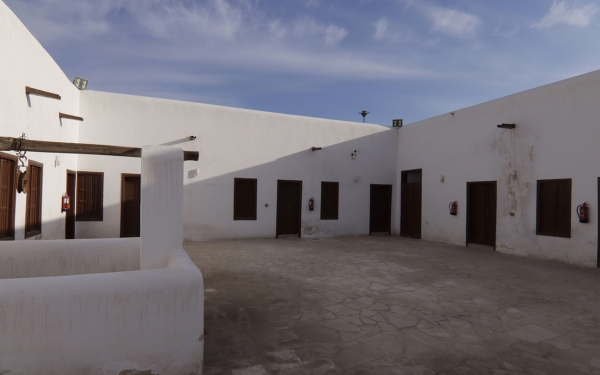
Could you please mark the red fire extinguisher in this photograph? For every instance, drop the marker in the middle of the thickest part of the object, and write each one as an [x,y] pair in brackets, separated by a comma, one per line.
[453,206]
[311,204]
[583,212]
[66,202]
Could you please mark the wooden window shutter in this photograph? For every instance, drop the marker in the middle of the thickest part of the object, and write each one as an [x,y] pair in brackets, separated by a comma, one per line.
[8,168]
[244,198]
[33,214]
[90,196]
[329,200]
[554,208]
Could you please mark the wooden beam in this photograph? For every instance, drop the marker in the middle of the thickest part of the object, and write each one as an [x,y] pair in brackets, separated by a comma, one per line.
[71,117]
[16,144]
[32,91]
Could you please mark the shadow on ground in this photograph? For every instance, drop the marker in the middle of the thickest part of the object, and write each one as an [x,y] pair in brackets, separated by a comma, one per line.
[390,305]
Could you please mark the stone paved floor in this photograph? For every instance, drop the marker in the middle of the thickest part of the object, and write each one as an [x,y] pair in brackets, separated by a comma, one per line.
[389,305]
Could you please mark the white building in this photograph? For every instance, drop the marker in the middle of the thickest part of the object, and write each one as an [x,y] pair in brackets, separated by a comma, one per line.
[556,133]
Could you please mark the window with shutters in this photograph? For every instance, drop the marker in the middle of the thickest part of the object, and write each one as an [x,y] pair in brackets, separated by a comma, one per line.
[8,170]
[554,208]
[90,195]
[33,214]
[244,199]
[329,200]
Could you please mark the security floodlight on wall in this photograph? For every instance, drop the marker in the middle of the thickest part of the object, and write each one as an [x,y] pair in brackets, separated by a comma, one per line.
[397,123]
[80,83]
[364,114]
[507,126]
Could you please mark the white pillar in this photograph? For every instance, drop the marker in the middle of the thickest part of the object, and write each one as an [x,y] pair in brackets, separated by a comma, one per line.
[161,224]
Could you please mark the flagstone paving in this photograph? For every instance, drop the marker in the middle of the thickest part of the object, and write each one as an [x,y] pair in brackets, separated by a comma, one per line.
[390,305]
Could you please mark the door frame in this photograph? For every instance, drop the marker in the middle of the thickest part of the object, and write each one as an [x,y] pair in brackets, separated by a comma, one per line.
[391,187]
[495,184]
[598,221]
[73,202]
[123,176]
[13,208]
[299,182]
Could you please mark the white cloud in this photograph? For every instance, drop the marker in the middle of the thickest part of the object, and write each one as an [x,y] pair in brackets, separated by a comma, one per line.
[331,34]
[561,13]
[380,28]
[216,19]
[453,22]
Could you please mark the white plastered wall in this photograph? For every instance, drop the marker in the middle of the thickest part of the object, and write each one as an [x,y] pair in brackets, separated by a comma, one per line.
[24,62]
[557,135]
[239,143]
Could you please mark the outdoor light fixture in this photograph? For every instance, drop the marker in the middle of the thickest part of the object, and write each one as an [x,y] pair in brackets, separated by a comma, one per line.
[315,148]
[192,137]
[397,123]
[80,83]
[507,126]
[364,114]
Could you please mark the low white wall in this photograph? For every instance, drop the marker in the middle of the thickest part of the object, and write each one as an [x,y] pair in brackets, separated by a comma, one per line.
[557,135]
[24,62]
[107,323]
[104,323]
[239,143]
[22,259]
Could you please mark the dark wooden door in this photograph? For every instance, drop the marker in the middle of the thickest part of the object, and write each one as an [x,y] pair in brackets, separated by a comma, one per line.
[598,233]
[481,213]
[8,170]
[70,213]
[410,204]
[289,207]
[130,205]
[380,216]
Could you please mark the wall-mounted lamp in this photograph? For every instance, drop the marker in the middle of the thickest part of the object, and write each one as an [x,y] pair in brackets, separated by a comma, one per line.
[507,126]
[315,148]
[397,123]
[80,83]
[192,137]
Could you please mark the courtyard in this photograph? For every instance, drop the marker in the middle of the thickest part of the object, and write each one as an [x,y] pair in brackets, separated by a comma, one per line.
[391,305]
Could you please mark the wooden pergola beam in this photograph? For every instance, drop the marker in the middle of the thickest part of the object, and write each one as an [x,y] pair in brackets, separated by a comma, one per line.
[18,144]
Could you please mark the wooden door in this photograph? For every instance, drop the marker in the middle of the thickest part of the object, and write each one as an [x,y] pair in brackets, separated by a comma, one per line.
[289,207]
[8,170]
[410,204]
[481,213]
[130,205]
[598,232]
[380,215]
[70,213]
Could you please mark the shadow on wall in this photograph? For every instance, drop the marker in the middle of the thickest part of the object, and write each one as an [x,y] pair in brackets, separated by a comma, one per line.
[208,201]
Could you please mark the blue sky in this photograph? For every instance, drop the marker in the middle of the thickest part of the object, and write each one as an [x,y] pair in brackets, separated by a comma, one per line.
[405,59]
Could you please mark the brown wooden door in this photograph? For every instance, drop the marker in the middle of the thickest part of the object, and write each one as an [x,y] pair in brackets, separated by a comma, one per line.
[481,213]
[130,205]
[380,215]
[289,207]
[8,170]
[598,233]
[70,213]
[410,204]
